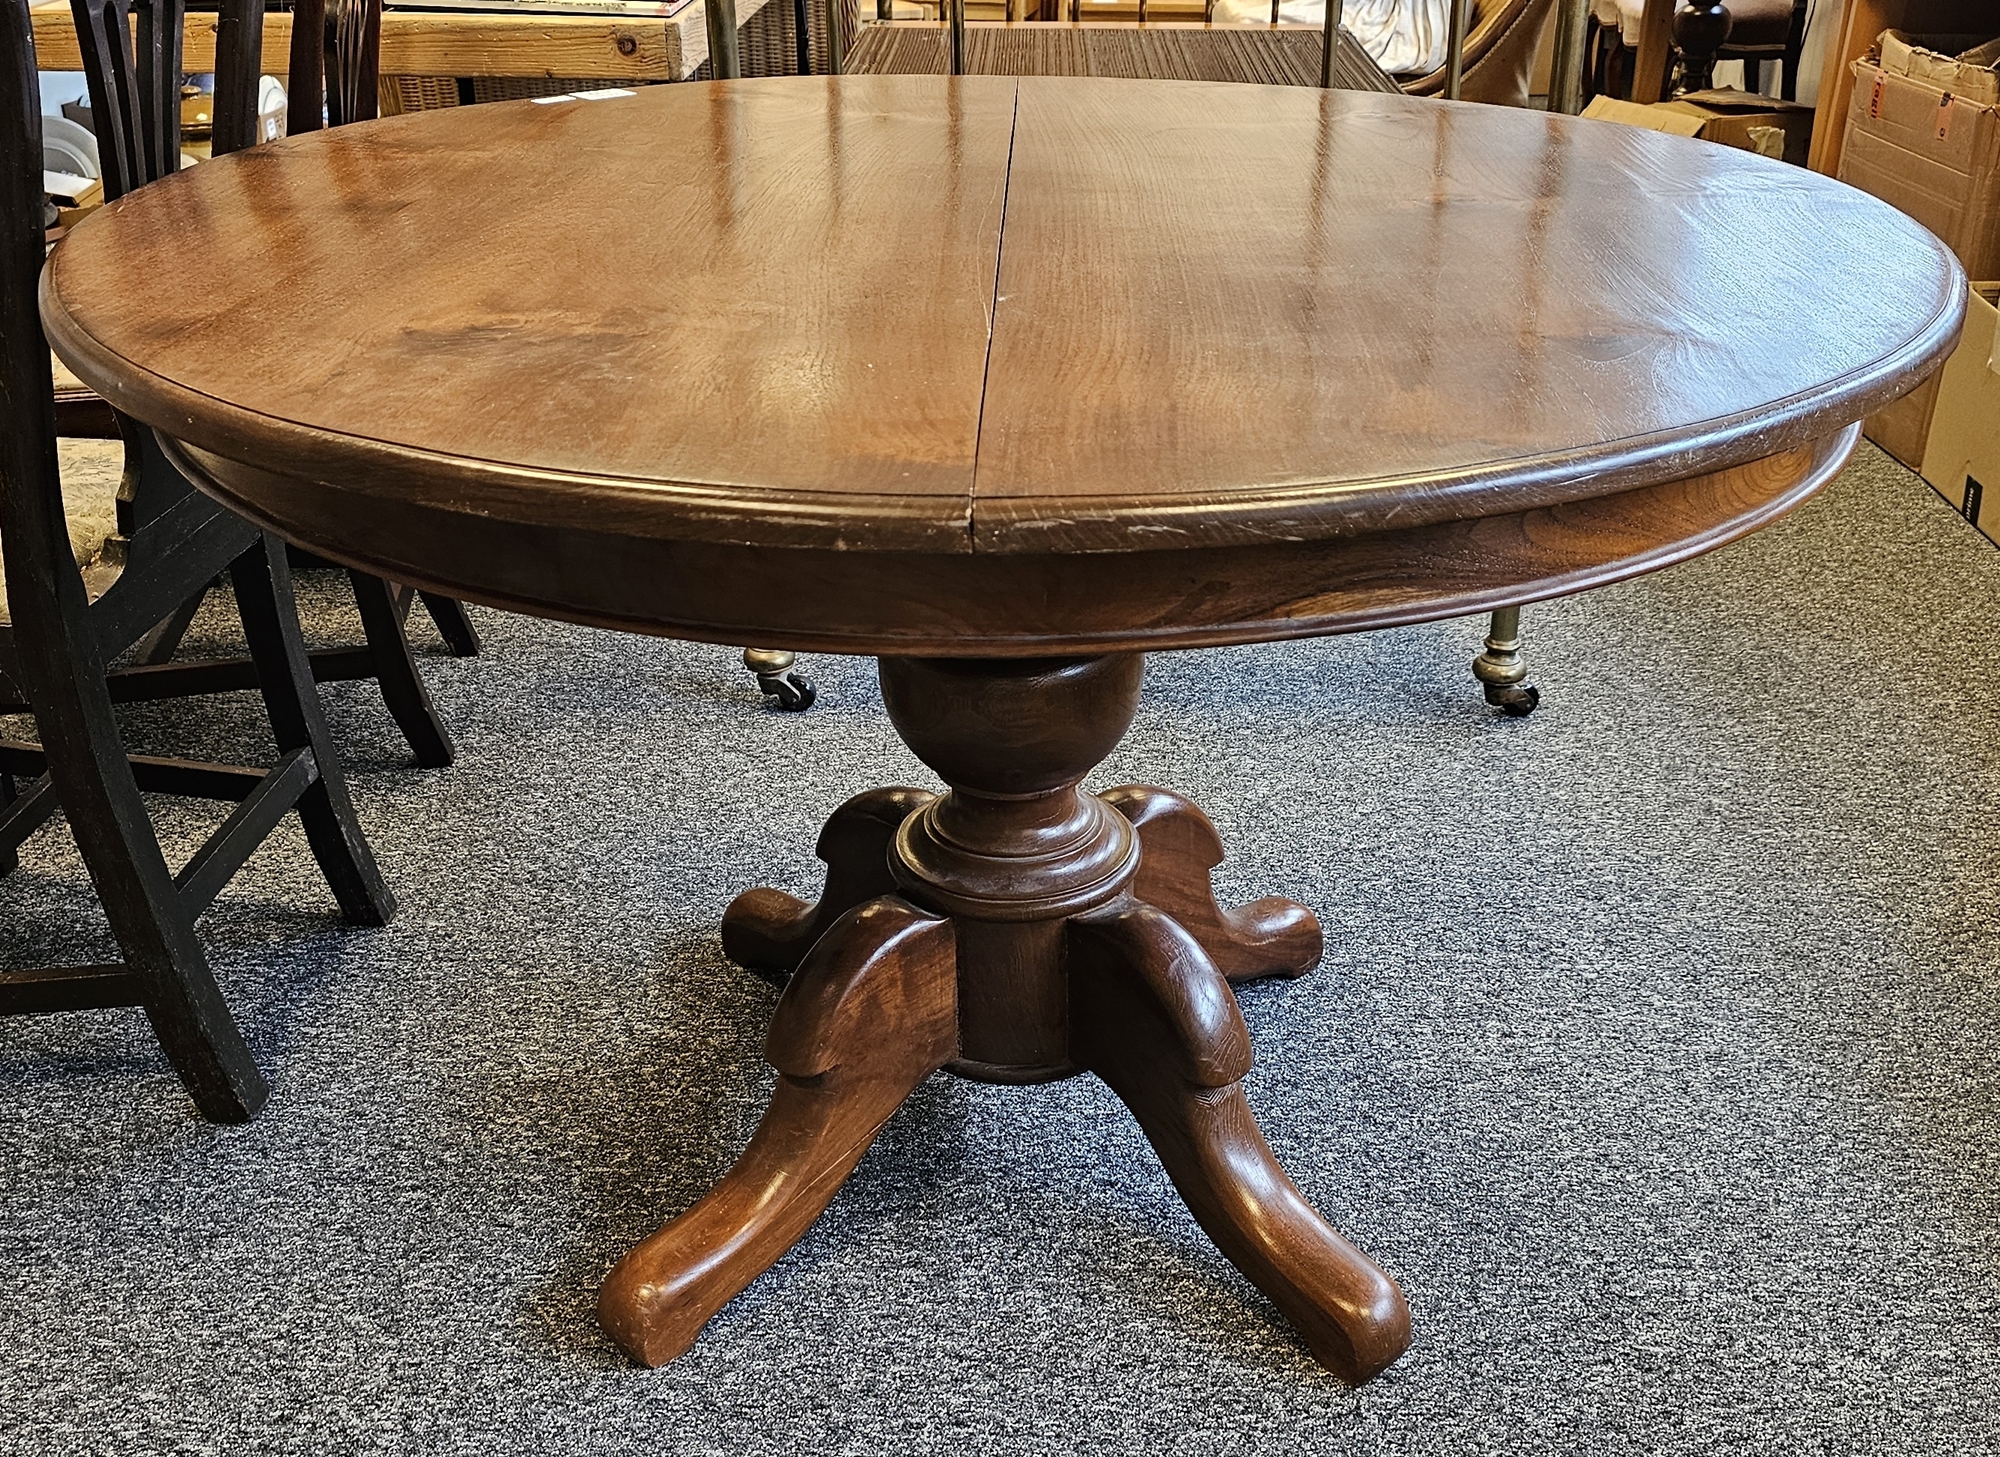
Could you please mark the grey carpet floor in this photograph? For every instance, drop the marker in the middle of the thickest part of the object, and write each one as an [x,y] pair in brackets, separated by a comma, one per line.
[1655,1055]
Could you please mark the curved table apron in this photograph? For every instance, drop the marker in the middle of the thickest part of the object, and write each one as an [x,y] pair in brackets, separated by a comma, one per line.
[1005,381]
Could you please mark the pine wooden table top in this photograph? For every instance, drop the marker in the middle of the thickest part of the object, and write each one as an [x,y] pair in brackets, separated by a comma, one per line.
[993,317]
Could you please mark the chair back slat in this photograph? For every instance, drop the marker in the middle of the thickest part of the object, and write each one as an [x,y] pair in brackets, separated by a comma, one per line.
[158,61]
[104,36]
[353,54]
[239,69]
[305,78]
[33,533]
[335,72]
[135,88]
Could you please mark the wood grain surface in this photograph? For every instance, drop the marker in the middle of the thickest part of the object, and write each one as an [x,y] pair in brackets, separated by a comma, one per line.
[954,603]
[841,317]
[751,294]
[1369,305]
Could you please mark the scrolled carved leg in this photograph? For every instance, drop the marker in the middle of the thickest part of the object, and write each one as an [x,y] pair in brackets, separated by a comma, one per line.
[872,1012]
[770,932]
[1178,848]
[1153,1017]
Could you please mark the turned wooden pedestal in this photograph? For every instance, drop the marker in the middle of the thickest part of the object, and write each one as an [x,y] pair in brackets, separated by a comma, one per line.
[1018,929]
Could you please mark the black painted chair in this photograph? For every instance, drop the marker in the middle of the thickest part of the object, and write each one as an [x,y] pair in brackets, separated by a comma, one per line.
[136,113]
[63,634]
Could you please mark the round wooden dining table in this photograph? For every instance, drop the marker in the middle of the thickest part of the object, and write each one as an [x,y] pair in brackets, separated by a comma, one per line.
[1005,382]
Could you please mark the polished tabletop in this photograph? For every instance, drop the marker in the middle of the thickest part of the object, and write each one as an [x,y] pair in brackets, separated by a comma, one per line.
[1023,316]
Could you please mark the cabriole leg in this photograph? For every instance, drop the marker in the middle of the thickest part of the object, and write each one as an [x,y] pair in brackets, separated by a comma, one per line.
[870,1015]
[1151,1015]
[770,932]
[1178,848]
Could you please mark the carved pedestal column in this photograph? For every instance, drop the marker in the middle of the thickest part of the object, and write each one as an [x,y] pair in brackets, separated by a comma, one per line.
[1018,929]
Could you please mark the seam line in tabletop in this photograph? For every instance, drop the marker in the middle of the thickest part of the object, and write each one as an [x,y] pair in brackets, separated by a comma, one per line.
[992,318]
[1651,459]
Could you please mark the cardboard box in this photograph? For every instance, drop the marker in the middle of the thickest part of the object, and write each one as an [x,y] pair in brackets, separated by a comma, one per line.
[1944,62]
[1903,429]
[1781,129]
[1933,152]
[1962,457]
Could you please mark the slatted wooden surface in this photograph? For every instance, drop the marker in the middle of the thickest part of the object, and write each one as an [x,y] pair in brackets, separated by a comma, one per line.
[1259,55]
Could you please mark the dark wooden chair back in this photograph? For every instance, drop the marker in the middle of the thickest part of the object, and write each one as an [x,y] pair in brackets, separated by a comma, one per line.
[59,642]
[335,63]
[134,87]
[135,94]
[32,526]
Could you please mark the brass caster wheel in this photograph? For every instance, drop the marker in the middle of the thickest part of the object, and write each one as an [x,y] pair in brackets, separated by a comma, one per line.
[779,679]
[1500,670]
[792,691]
[1516,700]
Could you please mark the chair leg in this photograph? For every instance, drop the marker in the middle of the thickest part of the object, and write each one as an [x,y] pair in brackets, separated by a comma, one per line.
[1500,667]
[779,679]
[10,861]
[396,670]
[263,579]
[452,624]
[147,915]
[160,645]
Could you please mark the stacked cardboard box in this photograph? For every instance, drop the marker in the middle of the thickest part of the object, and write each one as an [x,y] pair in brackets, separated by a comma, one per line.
[1923,133]
[1962,455]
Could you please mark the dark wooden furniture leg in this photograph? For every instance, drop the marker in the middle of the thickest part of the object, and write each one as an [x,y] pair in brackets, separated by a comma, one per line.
[1014,929]
[152,673]
[868,1017]
[160,645]
[165,969]
[262,577]
[448,614]
[10,861]
[396,670]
